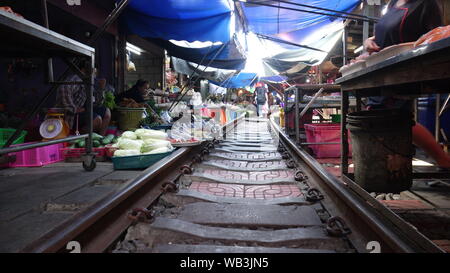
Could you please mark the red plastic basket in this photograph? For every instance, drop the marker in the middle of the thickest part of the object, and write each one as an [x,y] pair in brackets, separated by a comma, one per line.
[37,157]
[79,152]
[319,133]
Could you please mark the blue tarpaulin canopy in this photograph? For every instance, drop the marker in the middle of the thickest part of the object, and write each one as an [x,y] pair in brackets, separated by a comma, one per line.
[190,20]
[216,21]
[276,21]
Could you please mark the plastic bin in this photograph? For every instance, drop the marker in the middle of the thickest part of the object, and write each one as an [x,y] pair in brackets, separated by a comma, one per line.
[6,133]
[37,157]
[319,133]
[137,161]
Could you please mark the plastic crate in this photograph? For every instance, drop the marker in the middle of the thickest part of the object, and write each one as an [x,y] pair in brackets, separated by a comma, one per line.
[319,133]
[5,134]
[137,161]
[37,157]
[79,152]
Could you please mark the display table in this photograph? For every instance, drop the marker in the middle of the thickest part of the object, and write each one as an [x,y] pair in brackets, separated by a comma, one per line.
[421,71]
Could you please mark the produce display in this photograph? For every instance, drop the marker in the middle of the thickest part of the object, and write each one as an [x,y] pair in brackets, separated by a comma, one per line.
[110,101]
[142,142]
[98,141]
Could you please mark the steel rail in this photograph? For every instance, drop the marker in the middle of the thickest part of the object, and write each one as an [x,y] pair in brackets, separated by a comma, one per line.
[98,226]
[396,233]
[57,238]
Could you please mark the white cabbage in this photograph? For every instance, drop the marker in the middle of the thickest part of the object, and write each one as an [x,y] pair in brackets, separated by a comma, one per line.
[152,144]
[159,151]
[129,135]
[129,144]
[126,152]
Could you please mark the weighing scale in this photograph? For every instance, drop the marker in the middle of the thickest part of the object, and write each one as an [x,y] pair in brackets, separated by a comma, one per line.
[54,126]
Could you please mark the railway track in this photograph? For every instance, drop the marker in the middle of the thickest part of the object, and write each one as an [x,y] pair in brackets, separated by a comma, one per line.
[252,192]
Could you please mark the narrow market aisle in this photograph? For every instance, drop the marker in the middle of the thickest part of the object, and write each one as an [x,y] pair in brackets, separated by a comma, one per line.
[243,198]
[36,200]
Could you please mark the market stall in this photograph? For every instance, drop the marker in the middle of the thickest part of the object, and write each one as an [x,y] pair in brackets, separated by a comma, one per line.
[22,38]
[417,71]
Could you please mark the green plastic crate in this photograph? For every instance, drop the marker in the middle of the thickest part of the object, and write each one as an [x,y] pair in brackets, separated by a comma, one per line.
[137,161]
[5,134]
[336,118]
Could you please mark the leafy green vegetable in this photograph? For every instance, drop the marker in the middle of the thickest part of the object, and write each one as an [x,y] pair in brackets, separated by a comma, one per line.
[110,101]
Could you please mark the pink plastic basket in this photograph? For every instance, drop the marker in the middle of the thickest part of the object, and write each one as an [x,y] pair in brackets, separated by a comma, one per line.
[316,133]
[37,157]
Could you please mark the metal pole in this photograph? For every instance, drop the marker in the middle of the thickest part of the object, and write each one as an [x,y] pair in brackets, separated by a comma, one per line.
[325,9]
[50,77]
[40,144]
[90,94]
[311,102]
[444,106]
[344,45]
[344,133]
[366,24]
[352,17]
[438,119]
[297,115]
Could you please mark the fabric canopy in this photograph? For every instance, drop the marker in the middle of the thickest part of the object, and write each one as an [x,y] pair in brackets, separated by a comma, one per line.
[276,21]
[224,56]
[216,75]
[214,21]
[190,20]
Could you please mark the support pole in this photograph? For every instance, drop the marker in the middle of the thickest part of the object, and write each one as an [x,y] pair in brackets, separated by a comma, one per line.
[344,133]
[50,77]
[438,119]
[344,45]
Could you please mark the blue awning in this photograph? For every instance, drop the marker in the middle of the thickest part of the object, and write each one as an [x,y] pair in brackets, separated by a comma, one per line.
[215,21]
[190,20]
[272,21]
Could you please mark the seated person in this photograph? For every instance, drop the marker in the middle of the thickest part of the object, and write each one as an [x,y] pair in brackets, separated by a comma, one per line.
[137,92]
[99,108]
[73,99]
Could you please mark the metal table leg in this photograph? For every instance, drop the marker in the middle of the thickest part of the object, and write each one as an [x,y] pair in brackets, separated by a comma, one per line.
[89,163]
[344,133]
[297,115]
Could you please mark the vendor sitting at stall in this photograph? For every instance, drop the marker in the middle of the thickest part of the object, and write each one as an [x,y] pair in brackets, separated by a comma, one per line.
[406,21]
[72,98]
[99,108]
[137,92]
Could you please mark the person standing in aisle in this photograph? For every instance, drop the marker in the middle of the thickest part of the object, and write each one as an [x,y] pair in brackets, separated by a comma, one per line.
[261,98]
[406,21]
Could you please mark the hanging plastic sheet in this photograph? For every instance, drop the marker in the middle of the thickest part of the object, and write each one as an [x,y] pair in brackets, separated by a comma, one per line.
[240,80]
[213,74]
[278,20]
[223,56]
[295,60]
[190,20]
